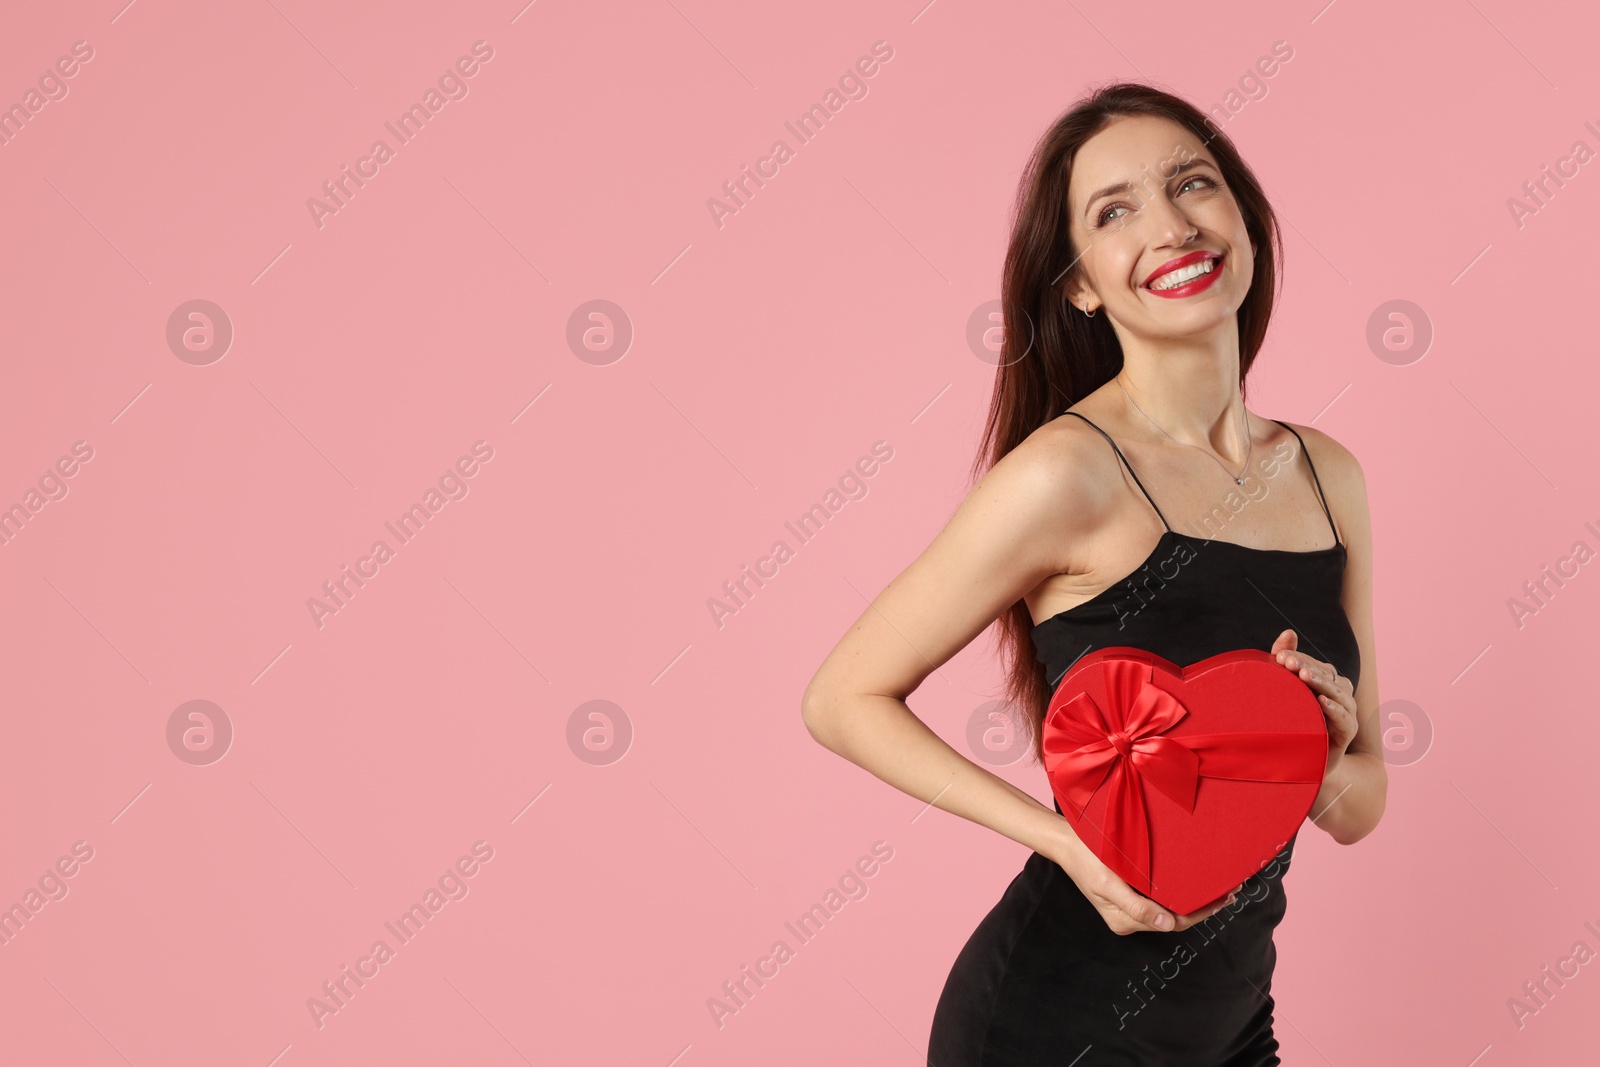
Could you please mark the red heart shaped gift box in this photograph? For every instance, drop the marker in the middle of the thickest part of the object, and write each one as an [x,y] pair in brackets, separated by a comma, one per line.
[1185,781]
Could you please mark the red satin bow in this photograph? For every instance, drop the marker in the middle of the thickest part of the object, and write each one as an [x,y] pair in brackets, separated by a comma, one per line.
[1123,746]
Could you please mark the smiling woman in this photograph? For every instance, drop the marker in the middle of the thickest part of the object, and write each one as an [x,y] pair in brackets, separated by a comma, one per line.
[1131,206]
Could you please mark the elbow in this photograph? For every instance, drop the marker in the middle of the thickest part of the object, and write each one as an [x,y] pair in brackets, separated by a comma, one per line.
[1349,835]
[814,712]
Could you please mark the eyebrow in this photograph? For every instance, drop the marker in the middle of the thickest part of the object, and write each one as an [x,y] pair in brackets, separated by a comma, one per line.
[1126,187]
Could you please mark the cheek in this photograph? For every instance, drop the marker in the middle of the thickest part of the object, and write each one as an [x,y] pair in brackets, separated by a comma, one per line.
[1244,265]
[1116,258]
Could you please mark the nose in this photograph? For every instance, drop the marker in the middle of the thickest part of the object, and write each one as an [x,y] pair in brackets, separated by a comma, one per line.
[1169,225]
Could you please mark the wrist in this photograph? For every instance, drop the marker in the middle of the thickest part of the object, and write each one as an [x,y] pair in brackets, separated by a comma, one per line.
[1062,842]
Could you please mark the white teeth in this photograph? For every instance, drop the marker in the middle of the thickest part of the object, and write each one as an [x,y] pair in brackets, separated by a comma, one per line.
[1178,277]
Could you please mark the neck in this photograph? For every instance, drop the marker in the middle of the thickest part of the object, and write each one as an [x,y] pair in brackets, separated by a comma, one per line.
[1191,389]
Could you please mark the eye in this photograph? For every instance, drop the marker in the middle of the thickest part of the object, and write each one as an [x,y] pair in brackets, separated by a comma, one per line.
[1102,220]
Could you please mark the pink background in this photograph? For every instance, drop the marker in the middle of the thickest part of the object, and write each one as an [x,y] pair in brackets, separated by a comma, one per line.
[767,355]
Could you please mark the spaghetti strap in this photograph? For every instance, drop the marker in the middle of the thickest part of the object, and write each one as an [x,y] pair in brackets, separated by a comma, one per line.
[1125,463]
[1318,481]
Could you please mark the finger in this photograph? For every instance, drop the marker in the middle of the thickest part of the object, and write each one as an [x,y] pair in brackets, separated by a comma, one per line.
[1341,718]
[1296,660]
[1287,641]
[1335,694]
[1319,680]
[1336,708]
[1317,674]
[1143,912]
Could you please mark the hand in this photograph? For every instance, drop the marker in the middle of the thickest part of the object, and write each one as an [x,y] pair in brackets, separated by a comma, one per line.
[1125,910]
[1333,690]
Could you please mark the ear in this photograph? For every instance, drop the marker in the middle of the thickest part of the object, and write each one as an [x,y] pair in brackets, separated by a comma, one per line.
[1079,294]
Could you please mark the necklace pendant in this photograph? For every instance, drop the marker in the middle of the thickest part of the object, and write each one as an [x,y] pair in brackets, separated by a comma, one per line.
[1238,481]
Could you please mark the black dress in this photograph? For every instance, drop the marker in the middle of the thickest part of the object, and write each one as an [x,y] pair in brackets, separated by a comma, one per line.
[1043,980]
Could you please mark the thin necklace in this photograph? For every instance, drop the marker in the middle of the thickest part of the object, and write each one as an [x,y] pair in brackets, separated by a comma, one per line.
[1237,478]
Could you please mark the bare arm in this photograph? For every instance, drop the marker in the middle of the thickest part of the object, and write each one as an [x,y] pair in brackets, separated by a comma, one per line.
[1004,539]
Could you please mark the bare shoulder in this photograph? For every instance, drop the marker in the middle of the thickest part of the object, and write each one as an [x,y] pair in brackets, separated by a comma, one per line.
[1058,477]
[1343,480]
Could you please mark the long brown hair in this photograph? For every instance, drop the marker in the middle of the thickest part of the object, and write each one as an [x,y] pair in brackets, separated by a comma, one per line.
[1052,355]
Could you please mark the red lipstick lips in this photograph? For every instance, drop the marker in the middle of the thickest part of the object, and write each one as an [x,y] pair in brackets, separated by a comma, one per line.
[1194,285]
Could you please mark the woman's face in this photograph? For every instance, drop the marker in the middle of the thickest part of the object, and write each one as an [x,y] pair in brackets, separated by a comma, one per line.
[1171,203]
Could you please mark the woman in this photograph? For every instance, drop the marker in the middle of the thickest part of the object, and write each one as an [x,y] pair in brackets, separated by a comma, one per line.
[1138,284]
